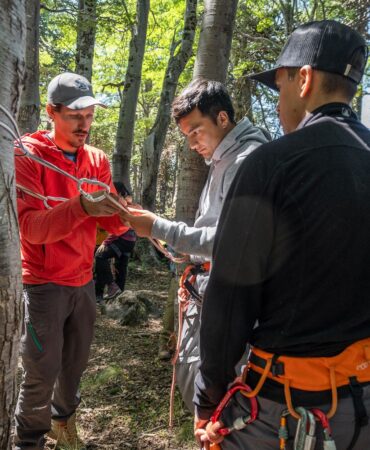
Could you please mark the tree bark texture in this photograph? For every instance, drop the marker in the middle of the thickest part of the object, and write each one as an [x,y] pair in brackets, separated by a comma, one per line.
[215,39]
[126,122]
[29,112]
[211,62]
[12,65]
[154,143]
[86,30]
[242,98]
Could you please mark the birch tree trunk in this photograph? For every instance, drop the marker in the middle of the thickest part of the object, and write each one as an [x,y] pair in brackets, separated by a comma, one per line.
[12,64]
[154,143]
[211,63]
[126,122]
[29,112]
[86,30]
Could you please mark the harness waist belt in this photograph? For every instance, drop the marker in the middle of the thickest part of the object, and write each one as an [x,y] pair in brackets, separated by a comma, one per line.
[313,374]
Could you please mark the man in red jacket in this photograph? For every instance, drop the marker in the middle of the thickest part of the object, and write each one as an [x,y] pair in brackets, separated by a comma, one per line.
[57,246]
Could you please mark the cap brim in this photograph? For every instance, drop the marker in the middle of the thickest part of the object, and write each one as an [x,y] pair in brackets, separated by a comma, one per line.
[83,102]
[267,78]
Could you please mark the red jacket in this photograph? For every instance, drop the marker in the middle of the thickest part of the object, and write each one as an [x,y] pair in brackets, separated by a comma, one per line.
[57,245]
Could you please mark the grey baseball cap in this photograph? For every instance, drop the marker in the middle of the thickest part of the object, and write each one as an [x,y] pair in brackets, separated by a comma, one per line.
[72,90]
[325,45]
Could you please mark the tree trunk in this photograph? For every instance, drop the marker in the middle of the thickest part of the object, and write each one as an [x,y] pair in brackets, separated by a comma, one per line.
[126,122]
[86,29]
[29,112]
[211,63]
[242,98]
[154,143]
[215,39]
[12,64]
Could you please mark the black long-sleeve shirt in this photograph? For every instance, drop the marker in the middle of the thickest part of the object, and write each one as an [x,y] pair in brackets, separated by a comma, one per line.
[291,272]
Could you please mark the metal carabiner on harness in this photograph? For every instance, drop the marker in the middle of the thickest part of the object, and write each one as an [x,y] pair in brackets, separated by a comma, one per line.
[329,443]
[240,422]
[305,438]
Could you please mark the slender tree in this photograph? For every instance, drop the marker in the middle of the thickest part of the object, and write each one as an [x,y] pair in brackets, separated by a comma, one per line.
[126,122]
[154,143]
[29,112]
[211,62]
[12,64]
[86,30]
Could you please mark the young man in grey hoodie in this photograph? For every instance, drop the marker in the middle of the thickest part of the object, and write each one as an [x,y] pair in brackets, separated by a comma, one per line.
[205,115]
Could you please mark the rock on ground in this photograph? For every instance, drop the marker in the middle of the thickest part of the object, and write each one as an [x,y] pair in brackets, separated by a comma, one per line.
[131,307]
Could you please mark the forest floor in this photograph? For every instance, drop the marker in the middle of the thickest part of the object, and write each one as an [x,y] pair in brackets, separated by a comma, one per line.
[125,389]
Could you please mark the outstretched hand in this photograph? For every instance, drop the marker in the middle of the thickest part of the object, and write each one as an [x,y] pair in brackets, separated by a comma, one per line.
[140,220]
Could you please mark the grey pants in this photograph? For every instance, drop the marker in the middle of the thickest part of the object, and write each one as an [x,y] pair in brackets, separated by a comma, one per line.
[263,433]
[185,377]
[57,333]
[189,359]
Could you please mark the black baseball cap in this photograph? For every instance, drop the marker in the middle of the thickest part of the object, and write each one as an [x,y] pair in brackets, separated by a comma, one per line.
[72,90]
[325,45]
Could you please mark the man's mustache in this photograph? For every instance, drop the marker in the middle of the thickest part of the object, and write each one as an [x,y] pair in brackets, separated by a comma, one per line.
[81,132]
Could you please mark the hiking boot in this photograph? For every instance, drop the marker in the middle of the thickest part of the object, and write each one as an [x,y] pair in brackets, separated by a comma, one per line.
[112,291]
[65,433]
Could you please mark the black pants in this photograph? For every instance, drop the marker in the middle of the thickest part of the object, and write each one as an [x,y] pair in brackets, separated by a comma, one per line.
[120,250]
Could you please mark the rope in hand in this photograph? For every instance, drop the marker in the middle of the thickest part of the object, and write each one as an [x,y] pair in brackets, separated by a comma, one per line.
[105,193]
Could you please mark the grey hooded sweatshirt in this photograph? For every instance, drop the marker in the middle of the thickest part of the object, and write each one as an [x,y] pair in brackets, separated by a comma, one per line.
[197,241]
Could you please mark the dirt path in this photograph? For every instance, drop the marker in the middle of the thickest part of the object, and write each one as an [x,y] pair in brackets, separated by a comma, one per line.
[125,389]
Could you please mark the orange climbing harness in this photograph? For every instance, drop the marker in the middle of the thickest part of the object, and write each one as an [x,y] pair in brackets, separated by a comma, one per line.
[188,294]
[311,374]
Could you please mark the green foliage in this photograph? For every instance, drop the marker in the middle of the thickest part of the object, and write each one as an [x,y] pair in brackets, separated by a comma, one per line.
[260,31]
[58,38]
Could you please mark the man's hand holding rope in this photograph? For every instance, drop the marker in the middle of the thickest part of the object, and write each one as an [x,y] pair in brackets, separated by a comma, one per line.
[103,207]
[206,434]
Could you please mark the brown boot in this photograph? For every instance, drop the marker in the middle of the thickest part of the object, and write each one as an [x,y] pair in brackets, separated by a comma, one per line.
[65,433]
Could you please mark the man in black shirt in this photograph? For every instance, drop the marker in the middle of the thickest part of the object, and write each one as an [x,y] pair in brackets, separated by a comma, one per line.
[291,271]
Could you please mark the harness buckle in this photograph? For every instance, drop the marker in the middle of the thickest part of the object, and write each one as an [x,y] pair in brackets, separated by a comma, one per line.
[277,367]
